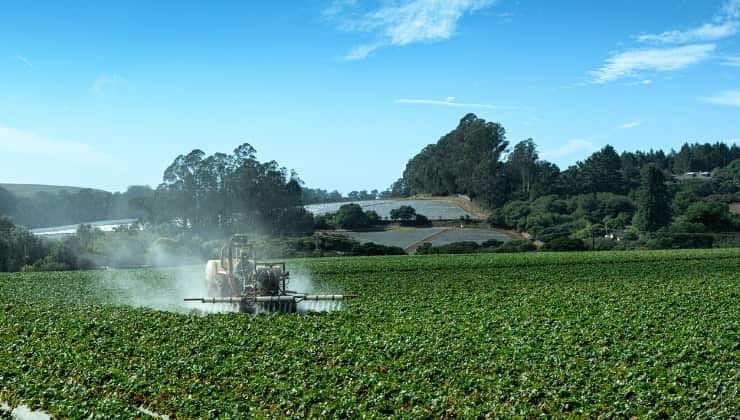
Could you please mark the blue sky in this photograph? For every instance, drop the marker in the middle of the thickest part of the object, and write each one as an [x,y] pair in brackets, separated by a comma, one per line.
[106,94]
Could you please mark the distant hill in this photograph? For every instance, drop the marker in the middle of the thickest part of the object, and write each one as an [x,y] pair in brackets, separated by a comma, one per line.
[28,190]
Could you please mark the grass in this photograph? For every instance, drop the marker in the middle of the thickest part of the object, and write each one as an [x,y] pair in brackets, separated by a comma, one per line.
[624,334]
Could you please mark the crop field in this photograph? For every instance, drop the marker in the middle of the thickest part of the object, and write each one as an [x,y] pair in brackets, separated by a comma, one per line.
[403,238]
[433,209]
[474,235]
[619,334]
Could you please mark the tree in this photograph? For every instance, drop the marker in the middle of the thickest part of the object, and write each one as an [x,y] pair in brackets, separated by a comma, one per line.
[372,217]
[223,193]
[8,202]
[602,172]
[404,213]
[465,161]
[523,162]
[294,221]
[18,246]
[351,216]
[653,201]
[714,215]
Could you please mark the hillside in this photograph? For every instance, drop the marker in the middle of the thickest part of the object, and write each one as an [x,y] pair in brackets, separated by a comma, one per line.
[28,190]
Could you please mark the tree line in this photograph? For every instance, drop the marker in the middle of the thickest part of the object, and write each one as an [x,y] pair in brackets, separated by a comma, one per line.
[475,159]
[603,194]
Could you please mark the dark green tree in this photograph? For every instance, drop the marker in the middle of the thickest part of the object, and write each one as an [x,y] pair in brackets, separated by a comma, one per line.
[465,161]
[404,213]
[602,172]
[714,215]
[351,216]
[653,200]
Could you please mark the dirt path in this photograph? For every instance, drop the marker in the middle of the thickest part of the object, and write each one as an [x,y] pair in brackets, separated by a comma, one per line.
[411,249]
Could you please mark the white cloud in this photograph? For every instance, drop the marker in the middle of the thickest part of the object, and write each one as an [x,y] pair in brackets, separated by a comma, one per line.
[570,148]
[728,97]
[24,60]
[731,61]
[450,101]
[106,82]
[402,23]
[630,63]
[20,144]
[705,32]
[631,124]
[361,52]
[696,45]
[725,24]
[644,82]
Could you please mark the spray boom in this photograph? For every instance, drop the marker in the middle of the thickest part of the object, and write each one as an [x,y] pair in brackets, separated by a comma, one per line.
[237,278]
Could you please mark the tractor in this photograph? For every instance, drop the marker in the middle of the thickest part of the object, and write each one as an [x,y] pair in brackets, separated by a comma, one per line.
[238,278]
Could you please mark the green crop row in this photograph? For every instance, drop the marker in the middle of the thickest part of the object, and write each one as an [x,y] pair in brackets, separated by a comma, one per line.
[586,334]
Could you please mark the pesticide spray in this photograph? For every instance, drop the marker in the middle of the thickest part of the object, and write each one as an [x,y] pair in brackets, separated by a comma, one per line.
[166,288]
[235,282]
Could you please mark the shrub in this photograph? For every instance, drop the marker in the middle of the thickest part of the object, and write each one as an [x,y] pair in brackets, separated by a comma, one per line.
[419,221]
[351,216]
[371,248]
[372,217]
[714,215]
[564,244]
[465,247]
[491,243]
[403,213]
[322,223]
[516,246]
[605,244]
[334,242]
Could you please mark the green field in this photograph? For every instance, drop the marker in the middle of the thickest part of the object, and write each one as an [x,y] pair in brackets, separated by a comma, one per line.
[585,334]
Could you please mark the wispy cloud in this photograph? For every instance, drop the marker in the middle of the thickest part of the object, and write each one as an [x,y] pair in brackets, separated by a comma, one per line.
[28,145]
[105,82]
[24,60]
[401,23]
[570,148]
[631,124]
[703,33]
[360,52]
[728,97]
[631,63]
[450,101]
[725,23]
[672,50]
[644,82]
[731,61]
